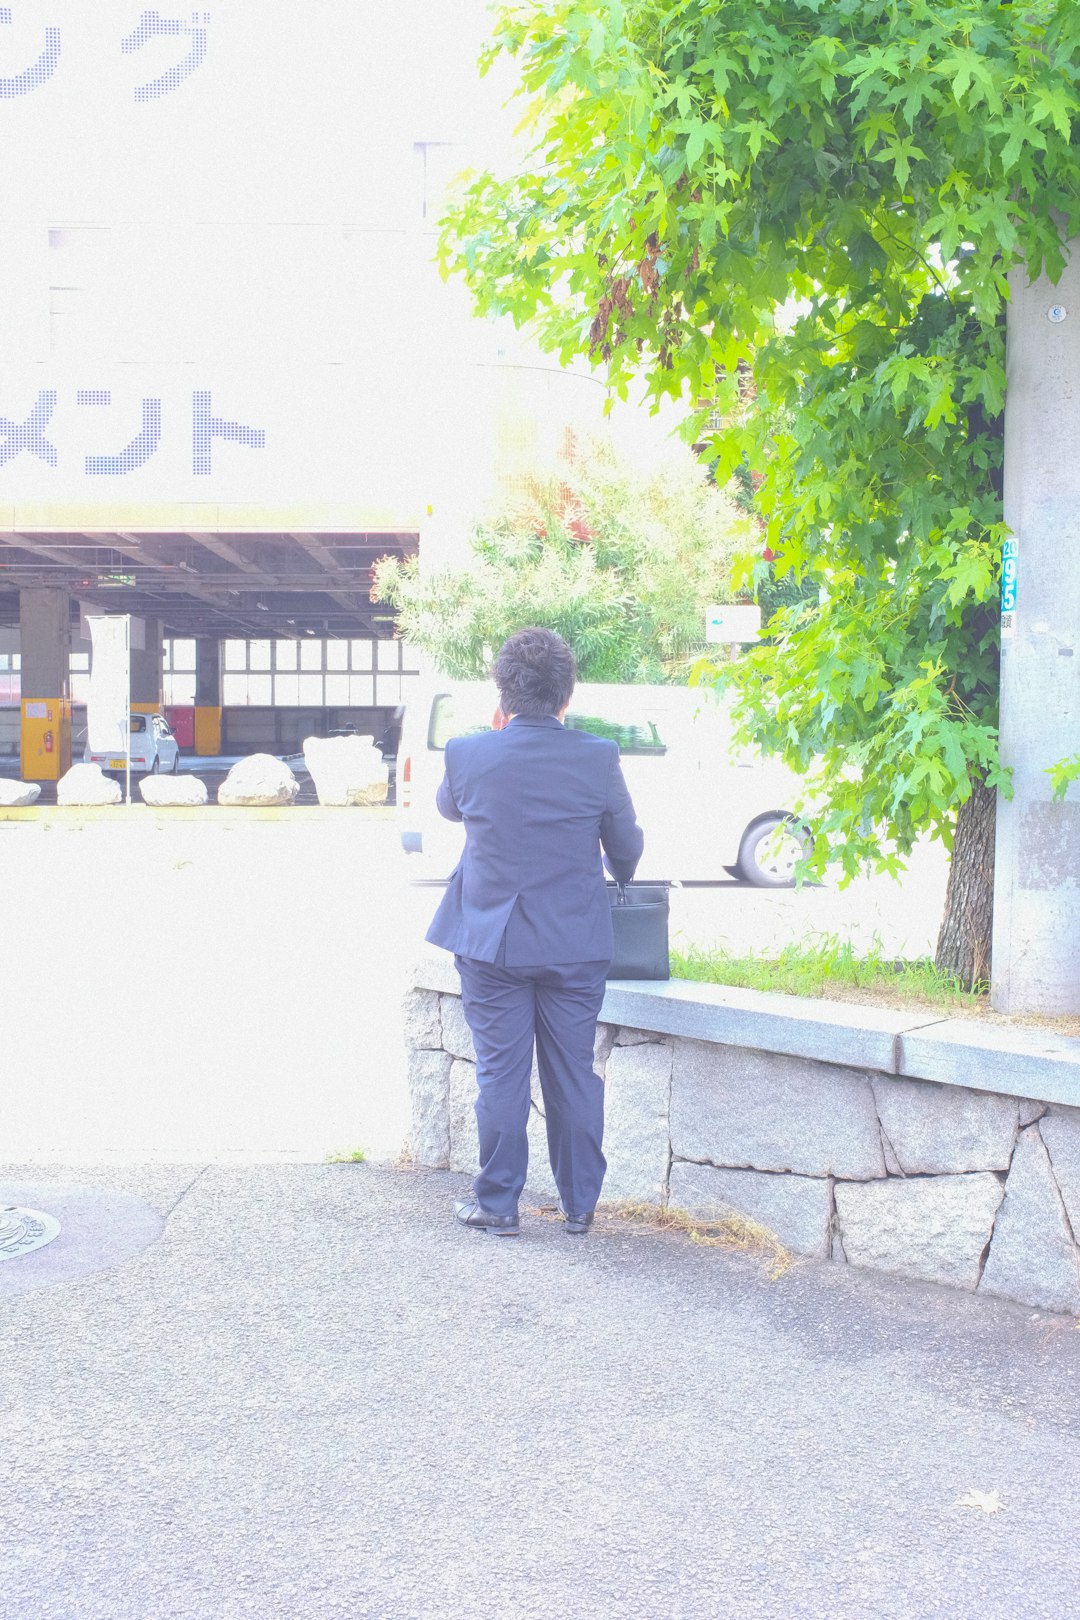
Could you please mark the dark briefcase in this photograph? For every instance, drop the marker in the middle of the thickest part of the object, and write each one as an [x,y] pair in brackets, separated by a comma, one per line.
[639,920]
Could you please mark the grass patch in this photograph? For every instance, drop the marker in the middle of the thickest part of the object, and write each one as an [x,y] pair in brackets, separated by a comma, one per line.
[357,1156]
[731,1231]
[828,966]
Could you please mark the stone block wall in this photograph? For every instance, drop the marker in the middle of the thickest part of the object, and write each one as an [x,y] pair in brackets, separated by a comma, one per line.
[943,1182]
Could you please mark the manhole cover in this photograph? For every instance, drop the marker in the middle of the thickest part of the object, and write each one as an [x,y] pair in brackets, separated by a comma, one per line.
[22,1230]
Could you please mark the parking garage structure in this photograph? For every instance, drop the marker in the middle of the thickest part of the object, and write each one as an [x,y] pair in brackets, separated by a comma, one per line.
[248,642]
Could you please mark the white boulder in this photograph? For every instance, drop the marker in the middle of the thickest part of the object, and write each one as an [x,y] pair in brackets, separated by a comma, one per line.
[345,770]
[259,779]
[87,784]
[172,790]
[15,794]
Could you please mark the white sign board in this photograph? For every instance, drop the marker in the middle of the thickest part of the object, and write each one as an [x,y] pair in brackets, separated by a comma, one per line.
[136,631]
[109,687]
[208,323]
[733,621]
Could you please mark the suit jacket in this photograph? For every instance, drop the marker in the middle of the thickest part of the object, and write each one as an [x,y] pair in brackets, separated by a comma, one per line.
[538,801]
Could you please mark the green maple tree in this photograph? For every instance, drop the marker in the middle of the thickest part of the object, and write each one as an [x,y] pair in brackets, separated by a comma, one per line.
[828,196]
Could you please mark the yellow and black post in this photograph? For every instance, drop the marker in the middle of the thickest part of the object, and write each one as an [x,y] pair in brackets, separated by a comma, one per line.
[207,696]
[45,638]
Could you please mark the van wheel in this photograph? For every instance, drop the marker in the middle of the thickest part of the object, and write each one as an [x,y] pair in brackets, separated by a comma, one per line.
[770,850]
[155,767]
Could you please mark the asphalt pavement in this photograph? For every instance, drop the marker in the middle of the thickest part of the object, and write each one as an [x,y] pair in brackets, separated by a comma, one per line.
[302,1393]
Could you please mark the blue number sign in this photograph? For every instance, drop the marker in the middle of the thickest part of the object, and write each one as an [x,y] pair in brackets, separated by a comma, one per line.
[1008,576]
[1009,566]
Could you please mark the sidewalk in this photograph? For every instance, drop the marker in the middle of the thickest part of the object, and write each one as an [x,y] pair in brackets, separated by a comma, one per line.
[302,1393]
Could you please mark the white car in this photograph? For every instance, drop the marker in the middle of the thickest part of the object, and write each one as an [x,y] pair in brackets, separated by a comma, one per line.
[153,748]
[707,809]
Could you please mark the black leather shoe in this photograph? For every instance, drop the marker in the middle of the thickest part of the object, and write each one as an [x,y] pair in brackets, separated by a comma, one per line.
[576,1223]
[469,1213]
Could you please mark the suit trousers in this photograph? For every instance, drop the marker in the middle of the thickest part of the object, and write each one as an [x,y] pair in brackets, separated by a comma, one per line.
[508,1009]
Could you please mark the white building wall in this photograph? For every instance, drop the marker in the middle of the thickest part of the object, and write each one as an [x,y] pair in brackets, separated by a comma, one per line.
[215,256]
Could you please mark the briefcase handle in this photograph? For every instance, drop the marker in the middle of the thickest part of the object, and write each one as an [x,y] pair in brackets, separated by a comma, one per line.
[623,899]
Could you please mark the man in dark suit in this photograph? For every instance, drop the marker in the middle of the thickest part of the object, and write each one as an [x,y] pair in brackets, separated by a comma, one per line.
[527,915]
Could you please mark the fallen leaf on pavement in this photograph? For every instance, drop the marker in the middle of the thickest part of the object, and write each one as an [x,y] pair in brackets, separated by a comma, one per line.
[989,1501]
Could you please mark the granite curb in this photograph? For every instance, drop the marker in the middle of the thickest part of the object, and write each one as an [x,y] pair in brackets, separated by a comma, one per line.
[915,1045]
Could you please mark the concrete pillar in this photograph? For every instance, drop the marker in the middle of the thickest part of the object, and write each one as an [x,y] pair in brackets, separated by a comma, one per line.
[208,656]
[1036,960]
[147,674]
[45,638]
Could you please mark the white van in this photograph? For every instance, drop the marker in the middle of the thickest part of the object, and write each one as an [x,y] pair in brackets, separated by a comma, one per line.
[706,810]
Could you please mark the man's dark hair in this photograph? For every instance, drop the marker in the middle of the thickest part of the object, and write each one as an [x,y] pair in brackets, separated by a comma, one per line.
[535,672]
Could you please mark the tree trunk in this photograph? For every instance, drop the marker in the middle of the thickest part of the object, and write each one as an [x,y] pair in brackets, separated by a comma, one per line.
[963,946]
